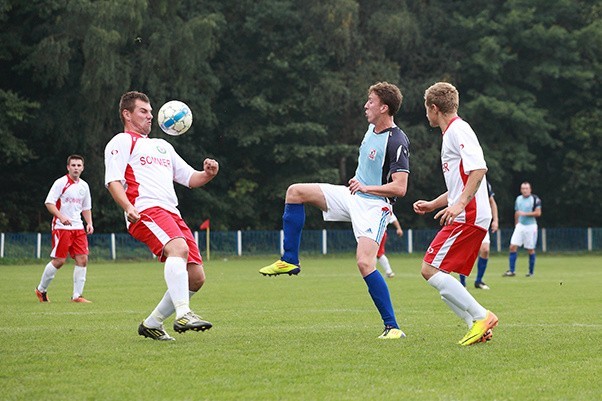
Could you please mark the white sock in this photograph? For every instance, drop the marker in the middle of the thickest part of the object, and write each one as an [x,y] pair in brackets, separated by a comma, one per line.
[79,279]
[47,276]
[163,310]
[176,278]
[462,314]
[384,262]
[454,292]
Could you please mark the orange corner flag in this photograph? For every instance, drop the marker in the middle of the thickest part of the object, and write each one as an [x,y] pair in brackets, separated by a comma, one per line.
[205,225]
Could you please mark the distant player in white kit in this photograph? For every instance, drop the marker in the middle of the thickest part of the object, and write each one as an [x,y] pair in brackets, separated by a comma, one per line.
[69,199]
[465,216]
[140,172]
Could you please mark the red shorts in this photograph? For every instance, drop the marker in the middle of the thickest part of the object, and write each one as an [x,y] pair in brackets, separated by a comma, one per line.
[157,227]
[455,248]
[381,249]
[72,242]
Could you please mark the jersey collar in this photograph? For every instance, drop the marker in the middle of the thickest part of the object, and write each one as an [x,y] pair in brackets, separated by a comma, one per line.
[136,134]
[450,123]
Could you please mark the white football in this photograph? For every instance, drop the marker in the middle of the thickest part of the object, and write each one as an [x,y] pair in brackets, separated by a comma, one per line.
[174,117]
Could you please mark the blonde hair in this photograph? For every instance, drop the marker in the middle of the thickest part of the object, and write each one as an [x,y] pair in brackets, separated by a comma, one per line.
[443,95]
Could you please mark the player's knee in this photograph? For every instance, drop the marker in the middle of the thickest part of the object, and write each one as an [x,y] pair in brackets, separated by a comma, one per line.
[294,193]
[177,248]
[365,267]
[81,260]
[427,270]
[58,262]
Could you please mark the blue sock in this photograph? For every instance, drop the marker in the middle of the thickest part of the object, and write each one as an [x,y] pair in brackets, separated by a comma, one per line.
[377,287]
[293,221]
[531,263]
[512,261]
[481,267]
[462,279]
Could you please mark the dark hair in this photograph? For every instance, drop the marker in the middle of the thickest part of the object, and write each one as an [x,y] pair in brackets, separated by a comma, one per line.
[75,157]
[128,102]
[389,94]
[443,95]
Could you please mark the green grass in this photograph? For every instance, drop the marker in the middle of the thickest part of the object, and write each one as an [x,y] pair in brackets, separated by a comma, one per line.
[311,337]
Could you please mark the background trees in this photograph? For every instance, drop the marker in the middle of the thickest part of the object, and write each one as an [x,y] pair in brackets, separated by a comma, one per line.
[277,88]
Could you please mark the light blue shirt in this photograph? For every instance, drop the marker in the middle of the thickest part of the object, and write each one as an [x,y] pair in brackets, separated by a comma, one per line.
[528,204]
[380,155]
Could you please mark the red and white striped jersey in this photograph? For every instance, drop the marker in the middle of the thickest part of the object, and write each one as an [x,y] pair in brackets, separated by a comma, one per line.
[147,167]
[71,198]
[461,153]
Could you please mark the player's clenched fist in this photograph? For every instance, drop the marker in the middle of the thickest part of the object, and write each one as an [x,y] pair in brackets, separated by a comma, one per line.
[210,166]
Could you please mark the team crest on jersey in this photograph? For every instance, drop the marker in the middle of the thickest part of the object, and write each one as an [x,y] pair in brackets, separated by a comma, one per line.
[372,154]
[161,149]
[82,191]
[114,151]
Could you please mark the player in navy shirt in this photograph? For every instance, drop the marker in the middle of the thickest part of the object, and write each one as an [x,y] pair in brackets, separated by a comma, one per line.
[381,176]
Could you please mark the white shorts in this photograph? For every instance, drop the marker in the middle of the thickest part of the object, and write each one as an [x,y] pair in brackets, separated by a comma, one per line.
[368,217]
[524,235]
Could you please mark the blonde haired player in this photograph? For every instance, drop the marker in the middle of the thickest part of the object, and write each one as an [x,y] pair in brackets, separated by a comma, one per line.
[465,216]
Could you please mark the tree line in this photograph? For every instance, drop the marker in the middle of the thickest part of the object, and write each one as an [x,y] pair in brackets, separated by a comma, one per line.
[277,89]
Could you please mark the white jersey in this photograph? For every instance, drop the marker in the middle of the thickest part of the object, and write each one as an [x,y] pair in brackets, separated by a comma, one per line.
[147,167]
[70,198]
[461,153]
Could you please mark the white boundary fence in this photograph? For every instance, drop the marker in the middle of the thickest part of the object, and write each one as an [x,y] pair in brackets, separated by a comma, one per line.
[241,243]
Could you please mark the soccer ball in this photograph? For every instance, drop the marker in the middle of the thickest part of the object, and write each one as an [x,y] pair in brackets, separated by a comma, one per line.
[174,118]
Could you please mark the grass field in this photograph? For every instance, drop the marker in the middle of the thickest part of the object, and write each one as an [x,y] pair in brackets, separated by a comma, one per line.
[311,337]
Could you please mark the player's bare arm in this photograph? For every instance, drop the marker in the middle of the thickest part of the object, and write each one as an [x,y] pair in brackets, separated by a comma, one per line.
[88,218]
[535,213]
[57,213]
[118,193]
[396,188]
[449,214]
[422,206]
[398,229]
[200,178]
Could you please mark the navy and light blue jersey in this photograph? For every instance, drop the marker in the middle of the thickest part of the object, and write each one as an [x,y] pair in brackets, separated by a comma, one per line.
[382,154]
[528,204]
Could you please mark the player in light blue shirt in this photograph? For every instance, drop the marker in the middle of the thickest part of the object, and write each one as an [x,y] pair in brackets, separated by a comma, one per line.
[380,177]
[527,208]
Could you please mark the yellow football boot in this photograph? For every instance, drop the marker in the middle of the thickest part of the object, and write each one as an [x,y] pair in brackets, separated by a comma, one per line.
[391,333]
[280,267]
[479,329]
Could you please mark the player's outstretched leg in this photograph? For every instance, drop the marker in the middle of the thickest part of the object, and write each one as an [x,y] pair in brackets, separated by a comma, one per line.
[293,221]
[280,267]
